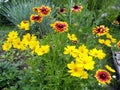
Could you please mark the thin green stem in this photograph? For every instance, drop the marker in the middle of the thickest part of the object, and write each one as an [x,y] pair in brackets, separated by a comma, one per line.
[70,19]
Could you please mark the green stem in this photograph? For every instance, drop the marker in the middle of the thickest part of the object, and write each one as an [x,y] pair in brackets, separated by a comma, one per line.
[71,1]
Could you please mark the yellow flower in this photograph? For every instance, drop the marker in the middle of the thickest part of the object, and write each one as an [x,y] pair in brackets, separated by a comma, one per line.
[107,43]
[17,43]
[83,49]
[13,34]
[113,40]
[72,37]
[74,69]
[70,50]
[84,75]
[24,25]
[97,53]
[86,62]
[35,9]
[6,46]
[34,45]
[109,36]
[42,50]
[109,68]
[101,41]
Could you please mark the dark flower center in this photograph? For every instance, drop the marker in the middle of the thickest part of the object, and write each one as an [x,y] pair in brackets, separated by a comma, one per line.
[60,26]
[36,17]
[76,7]
[62,10]
[103,76]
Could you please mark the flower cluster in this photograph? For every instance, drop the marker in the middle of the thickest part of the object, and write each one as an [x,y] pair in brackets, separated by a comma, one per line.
[37,17]
[72,37]
[28,41]
[83,60]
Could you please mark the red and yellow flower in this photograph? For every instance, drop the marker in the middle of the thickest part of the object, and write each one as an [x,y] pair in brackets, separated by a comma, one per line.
[36,18]
[44,10]
[118,44]
[77,8]
[103,76]
[60,26]
[100,30]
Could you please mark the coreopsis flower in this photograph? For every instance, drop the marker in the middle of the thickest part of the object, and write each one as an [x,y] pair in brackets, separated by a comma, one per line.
[75,70]
[100,30]
[77,8]
[83,49]
[27,38]
[118,44]
[35,9]
[97,53]
[25,25]
[86,62]
[70,50]
[101,41]
[36,18]
[107,43]
[60,26]
[72,37]
[84,75]
[17,43]
[109,68]
[6,46]
[62,10]
[42,50]
[13,34]
[34,45]
[44,10]
[103,76]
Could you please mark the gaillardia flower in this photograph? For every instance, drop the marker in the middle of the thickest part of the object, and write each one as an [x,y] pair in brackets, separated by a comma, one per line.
[118,44]
[35,9]
[100,30]
[44,10]
[76,8]
[103,76]
[36,18]
[62,10]
[60,26]
[24,25]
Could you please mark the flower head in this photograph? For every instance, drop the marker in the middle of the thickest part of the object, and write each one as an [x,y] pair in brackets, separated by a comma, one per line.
[60,26]
[103,76]
[62,10]
[100,30]
[35,9]
[36,18]
[24,25]
[74,69]
[6,46]
[72,37]
[118,44]
[44,10]
[109,68]
[76,8]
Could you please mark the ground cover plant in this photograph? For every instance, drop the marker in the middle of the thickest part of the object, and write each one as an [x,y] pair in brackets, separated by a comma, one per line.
[60,47]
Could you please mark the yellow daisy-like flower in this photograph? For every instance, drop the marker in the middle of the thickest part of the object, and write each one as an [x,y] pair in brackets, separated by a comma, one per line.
[24,25]
[83,49]
[75,70]
[36,18]
[77,8]
[109,68]
[72,37]
[100,30]
[60,26]
[42,50]
[44,10]
[103,76]
[34,45]
[107,43]
[101,41]
[97,53]
[116,22]
[6,46]
[13,34]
